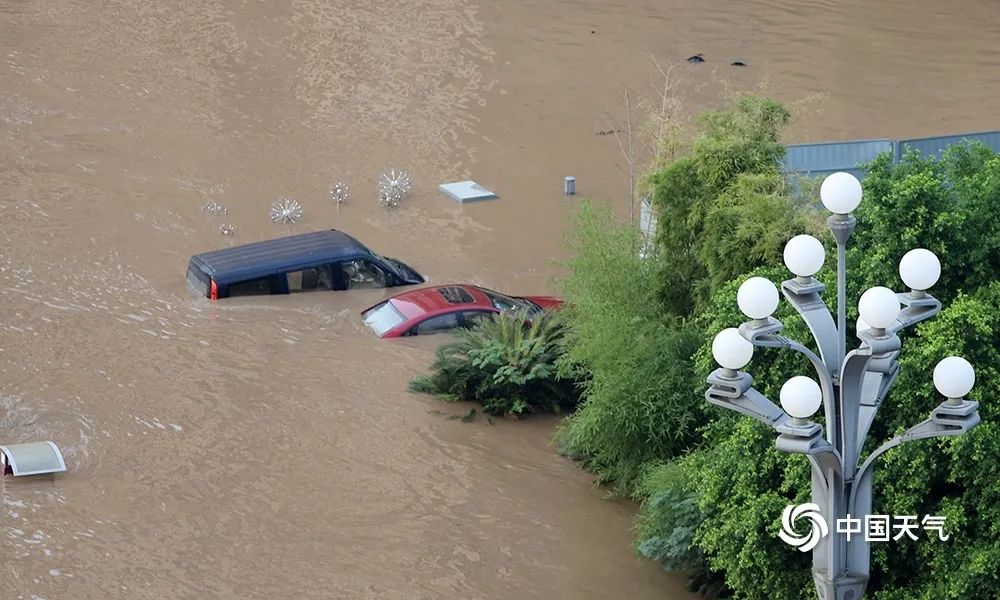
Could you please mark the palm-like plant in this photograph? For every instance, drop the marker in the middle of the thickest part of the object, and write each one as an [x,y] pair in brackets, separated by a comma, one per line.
[506,363]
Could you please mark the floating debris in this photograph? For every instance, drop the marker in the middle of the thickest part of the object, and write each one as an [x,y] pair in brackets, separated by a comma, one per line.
[466,191]
[697,58]
[227,229]
[286,210]
[214,209]
[33,458]
[738,63]
[339,193]
[394,183]
[608,132]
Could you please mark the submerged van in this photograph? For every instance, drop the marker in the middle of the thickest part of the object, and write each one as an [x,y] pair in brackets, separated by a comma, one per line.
[321,260]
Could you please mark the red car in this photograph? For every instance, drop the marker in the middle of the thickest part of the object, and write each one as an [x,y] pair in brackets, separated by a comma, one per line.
[445,307]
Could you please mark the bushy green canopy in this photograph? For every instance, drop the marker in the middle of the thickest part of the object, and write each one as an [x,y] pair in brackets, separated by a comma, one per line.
[739,482]
[723,209]
[637,405]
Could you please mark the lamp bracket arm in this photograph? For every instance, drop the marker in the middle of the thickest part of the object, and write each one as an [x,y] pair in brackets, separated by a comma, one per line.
[946,420]
[736,394]
[805,296]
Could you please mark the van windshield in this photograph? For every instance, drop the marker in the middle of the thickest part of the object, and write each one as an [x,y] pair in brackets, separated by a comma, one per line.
[392,264]
[383,318]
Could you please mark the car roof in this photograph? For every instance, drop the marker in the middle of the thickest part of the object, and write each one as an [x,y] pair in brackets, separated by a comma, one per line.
[269,257]
[416,303]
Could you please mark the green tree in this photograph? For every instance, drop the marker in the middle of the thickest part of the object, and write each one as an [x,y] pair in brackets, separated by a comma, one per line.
[702,198]
[949,206]
[748,227]
[953,477]
[742,482]
[633,356]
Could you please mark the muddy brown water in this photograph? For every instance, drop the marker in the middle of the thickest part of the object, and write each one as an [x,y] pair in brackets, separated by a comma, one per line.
[266,447]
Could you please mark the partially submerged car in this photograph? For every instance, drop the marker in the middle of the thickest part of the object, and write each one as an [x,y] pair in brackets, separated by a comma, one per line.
[445,307]
[321,260]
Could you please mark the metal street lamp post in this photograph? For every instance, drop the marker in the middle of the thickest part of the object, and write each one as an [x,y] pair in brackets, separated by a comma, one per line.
[852,386]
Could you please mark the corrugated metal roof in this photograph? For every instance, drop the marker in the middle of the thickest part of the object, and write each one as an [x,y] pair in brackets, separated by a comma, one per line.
[829,157]
[934,146]
[268,257]
[819,160]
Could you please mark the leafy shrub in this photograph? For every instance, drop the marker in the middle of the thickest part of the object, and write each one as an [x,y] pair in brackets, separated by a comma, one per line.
[948,206]
[733,161]
[724,499]
[632,356]
[953,477]
[740,482]
[669,519]
[504,363]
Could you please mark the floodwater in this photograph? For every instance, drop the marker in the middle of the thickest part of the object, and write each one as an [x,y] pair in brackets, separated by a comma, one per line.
[267,447]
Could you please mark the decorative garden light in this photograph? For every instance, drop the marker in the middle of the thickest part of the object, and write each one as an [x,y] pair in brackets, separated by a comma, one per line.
[731,350]
[840,193]
[804,255]
[757,298]
[879,307]
[851,386]
[801,397]
[286,210]
[393,186]
[215,209]
[954,377]
[919,269]
[339,192]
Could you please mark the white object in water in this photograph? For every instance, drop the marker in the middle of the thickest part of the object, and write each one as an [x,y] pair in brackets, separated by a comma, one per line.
[569,186]
[466,191]
[34,458]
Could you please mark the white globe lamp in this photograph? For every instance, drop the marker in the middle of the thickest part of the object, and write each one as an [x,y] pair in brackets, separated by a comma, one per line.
[954,377]
[840,193]
[920,269]
[731,350]
[801,397]
[879,307]
[757,298]
[804,255]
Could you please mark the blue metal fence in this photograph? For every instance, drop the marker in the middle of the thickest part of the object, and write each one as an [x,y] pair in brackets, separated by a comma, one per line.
[818,160]
[822,159]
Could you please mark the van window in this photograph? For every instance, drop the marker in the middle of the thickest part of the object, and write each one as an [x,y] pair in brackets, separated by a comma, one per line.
[252,287]
[361,273]
[317,278]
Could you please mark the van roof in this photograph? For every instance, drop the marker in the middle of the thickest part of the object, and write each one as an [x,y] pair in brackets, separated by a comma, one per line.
[269,257]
